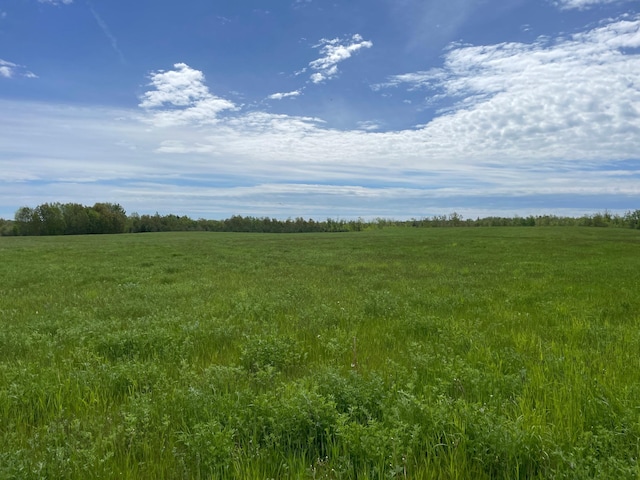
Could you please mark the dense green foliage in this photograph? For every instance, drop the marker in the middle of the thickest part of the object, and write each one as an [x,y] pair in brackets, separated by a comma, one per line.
[173,223]
[6,227]
[395,353]
[70,219]
[76,219]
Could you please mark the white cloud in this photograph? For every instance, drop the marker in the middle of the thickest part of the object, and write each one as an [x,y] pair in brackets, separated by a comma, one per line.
[180,97]
[335,51]
[414,80]
[6,70]
[551,119]
[301,3]
[317,77]
[574,98]
[549,104]
[280,96]
[275,165]
[369,126]
[11,70]
[583,4]
[181,87]
[57,2]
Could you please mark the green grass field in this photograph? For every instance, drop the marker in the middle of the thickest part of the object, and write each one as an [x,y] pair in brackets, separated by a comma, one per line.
[496,353]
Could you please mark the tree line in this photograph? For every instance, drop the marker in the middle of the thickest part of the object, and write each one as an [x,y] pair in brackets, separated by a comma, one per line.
[77,219]
[101,218]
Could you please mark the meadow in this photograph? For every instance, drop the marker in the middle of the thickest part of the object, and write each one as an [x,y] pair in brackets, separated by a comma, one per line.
[450,353]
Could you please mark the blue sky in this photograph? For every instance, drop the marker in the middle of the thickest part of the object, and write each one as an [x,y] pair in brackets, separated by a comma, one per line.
[377,108]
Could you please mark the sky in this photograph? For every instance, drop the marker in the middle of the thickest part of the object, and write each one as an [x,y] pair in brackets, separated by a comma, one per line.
[321,109]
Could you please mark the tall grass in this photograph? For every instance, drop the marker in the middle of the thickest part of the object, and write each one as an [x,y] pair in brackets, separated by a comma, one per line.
[397,353]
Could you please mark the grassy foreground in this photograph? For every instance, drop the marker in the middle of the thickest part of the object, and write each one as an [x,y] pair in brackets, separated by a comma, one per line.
[407,353]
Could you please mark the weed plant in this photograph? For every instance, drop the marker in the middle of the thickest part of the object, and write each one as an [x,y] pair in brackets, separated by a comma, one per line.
[396,353]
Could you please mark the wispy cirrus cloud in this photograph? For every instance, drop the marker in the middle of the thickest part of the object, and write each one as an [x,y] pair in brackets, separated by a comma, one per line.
[282,95]
[369,125]
[584,4]
[11,70]
[105,29]
[56,2]
[333,52]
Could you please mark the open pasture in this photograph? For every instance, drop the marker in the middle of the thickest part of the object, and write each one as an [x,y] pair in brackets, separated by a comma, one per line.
[493,353]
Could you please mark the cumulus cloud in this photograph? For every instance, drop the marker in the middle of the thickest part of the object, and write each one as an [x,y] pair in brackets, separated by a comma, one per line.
[333,52]
[180,96]
[280,96]
[11,70]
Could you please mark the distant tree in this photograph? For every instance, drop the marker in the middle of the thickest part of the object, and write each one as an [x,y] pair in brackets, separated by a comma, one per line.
[111,218]
[95,221]
[7,228]
[133,223]
[235,224]
[632,219]
[455,219]
[27,221]
[600,220]
[51,218]
[76,219]
[22,219]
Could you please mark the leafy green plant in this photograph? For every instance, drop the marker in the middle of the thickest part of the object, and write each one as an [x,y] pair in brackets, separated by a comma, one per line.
[260,352]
